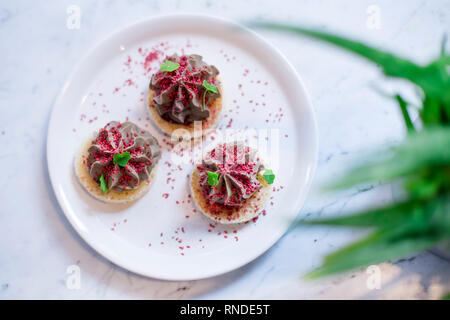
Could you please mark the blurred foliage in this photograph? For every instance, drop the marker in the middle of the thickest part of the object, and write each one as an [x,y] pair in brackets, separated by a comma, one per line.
[421,164]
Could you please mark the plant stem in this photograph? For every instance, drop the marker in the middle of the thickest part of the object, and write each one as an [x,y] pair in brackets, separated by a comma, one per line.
[204,96]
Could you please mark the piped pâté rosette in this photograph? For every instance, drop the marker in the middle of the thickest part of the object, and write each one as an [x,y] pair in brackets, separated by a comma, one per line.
[185,90]
[231,184]
[119,163]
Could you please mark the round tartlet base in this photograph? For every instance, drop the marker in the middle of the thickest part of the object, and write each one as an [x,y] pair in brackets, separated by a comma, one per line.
[169,128]
[94,189]
[249,210]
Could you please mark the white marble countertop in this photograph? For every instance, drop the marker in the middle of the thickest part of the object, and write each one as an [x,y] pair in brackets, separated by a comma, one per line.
[37,244]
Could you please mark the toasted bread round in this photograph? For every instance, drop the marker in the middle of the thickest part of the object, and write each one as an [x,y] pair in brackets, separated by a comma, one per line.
[93,188]
[170,128]
[249,210]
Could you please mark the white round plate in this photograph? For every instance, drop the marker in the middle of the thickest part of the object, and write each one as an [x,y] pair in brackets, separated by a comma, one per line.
[162,235]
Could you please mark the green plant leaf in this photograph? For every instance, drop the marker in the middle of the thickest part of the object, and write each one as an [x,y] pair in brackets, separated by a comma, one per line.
[392,215]
[373,249]
[391,64]
[421,163]
[446,296]
[433,78]
[429,148]
[169,66]
[401,230]
[426,184]
[213,178]
[404,108]
[417,214]
[103,184]
[121,158]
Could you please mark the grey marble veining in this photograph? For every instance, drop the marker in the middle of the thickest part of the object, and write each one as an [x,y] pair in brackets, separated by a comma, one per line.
[37,243]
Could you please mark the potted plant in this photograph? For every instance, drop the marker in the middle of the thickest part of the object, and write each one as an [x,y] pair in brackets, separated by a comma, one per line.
[420,219]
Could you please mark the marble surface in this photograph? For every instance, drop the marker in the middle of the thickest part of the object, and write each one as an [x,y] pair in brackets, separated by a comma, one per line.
[37,244]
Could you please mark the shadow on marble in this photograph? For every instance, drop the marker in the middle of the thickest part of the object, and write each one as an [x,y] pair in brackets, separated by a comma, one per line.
[409,279]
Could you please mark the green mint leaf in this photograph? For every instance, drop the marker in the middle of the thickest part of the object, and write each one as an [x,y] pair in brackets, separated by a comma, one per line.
[169,66]
[213,178]
[269,176]
[121,158]
[103,184]
[210,87]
